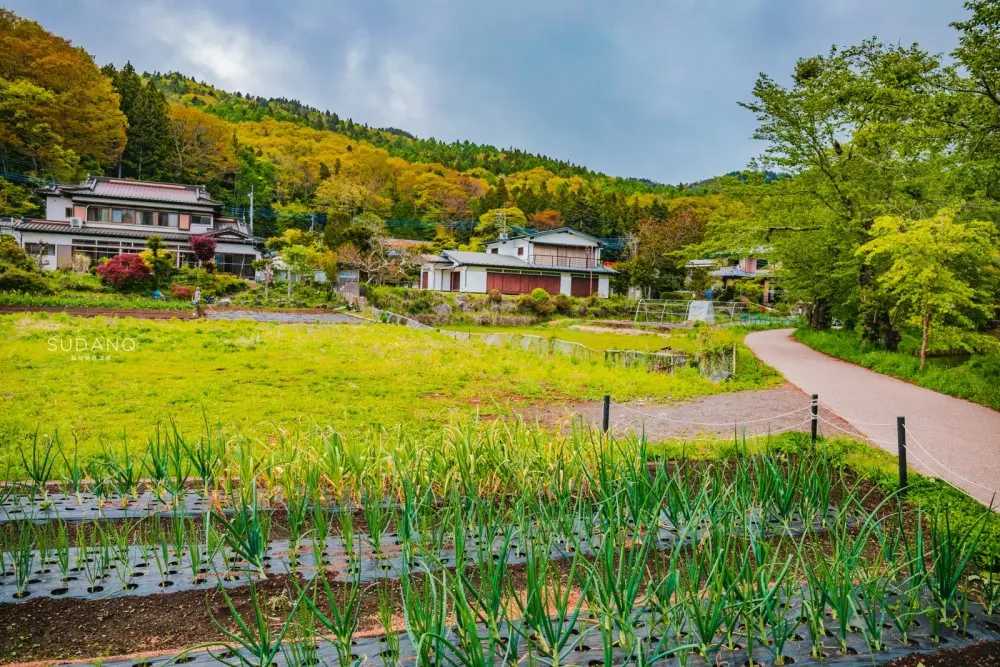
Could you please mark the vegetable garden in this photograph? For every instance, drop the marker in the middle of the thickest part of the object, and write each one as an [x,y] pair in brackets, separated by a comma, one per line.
[494,544]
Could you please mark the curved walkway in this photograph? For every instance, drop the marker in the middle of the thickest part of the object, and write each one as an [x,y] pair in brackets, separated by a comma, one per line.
[947,437]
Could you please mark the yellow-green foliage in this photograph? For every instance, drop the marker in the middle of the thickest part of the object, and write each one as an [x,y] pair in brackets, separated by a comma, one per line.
[244,374]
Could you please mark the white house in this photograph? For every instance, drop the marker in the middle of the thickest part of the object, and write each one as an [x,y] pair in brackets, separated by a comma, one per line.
[560,261]
[104,217]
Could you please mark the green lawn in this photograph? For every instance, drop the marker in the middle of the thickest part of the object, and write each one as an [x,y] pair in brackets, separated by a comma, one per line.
[976,379]
[69,299]
[679,340]
[247,375]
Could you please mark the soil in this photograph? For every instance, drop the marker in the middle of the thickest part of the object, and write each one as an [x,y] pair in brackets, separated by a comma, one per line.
[983,654]
[147,314]
[743,413]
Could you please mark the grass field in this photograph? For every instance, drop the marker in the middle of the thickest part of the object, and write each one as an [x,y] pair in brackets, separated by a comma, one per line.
[245,374]
[976,378]
[679,340]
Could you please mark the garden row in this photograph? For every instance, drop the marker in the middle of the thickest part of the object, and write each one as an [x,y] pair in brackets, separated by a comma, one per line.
[492,543]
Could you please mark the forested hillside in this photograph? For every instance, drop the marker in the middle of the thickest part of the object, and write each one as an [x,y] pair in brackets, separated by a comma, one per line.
[305,166]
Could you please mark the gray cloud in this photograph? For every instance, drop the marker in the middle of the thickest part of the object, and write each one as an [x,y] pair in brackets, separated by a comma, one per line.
[639,88]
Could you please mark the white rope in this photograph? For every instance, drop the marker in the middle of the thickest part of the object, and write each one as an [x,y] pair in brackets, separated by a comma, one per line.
[858,435]
[762,434]
[709,424]
[911,437]
[850,419]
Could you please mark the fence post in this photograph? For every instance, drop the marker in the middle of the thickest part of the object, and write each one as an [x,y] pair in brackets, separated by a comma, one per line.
[814,427]
[607,413]
[734,359]
[901,451]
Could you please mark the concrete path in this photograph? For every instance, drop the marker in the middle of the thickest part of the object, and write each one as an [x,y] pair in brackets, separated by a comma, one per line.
[947,437]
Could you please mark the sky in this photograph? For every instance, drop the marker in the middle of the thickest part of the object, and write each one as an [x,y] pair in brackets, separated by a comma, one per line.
[641,88]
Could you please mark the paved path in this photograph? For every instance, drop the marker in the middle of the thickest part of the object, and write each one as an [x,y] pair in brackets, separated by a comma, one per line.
[946,437]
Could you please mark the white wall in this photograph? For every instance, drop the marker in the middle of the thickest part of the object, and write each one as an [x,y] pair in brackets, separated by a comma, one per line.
[604,286]
[510,247]
[565,284]
[55,207]
[474,280]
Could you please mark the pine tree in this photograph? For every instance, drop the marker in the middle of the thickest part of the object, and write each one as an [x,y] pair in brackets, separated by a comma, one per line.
[148,134]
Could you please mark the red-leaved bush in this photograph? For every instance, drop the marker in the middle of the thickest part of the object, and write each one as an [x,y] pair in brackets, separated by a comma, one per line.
[182,291]
[124,271]
[203,247]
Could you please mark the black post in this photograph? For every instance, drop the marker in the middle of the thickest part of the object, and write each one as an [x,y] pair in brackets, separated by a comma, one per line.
[607,412]
[815,417]
[901,447]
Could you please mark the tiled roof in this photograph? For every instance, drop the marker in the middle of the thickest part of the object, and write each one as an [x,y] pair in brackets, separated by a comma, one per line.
[122,188]
[486,259]
[558,230]
[55,227]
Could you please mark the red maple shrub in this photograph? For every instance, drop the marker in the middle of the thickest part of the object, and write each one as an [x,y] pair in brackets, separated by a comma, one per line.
[182,291]
[124,271]
[203,247]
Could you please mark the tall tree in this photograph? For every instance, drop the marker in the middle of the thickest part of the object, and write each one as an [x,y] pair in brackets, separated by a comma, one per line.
[148,149]
[933,270]
[62,90]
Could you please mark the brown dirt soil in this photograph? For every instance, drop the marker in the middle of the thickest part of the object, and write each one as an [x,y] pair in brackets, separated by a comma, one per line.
[983,654]
[147,314]
[745,413]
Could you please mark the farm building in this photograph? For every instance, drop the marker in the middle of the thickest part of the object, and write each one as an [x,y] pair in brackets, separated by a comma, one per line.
[559,261]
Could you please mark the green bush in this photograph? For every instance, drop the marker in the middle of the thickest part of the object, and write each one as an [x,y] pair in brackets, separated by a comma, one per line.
[76,282]
[211,283]
[12,254]
[14,279]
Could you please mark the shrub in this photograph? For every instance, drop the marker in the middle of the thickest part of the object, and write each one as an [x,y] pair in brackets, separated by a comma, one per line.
[13,254]
[211,283]
[182,291]
[494,297]
[563,304]
[203,247]
[540,295]
[124,272]
[14,279]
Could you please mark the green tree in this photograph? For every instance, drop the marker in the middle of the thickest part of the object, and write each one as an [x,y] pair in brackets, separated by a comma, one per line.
[296,261]
[148,147]
[932,269]
[496,221]
[854,129]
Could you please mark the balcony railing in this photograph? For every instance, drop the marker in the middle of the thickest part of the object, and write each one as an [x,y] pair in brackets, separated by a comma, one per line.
[539,259]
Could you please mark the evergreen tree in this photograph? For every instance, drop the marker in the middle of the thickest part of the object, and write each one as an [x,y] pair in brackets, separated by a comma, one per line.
[147,149]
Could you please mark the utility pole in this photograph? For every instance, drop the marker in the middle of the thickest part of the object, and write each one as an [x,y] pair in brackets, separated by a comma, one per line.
[251,209]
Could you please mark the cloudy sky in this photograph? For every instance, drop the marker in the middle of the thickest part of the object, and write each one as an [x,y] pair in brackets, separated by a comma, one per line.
[643,88]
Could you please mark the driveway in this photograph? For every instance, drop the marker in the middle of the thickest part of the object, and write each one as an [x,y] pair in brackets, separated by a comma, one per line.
[946,437]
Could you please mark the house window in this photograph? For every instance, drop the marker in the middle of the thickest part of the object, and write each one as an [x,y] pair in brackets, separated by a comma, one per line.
[495,251]
[126,216]
[167,219]
[761,264]
[36,248]
[98,214]
[69,212]
[520,251]
[201,220]
[147,218]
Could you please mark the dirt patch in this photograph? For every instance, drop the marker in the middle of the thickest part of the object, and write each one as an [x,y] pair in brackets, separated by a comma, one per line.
[147,314]
[983,654]
[743,413]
